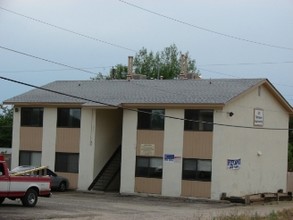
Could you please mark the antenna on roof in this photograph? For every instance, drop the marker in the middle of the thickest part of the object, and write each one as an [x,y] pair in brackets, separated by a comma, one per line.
[210,80]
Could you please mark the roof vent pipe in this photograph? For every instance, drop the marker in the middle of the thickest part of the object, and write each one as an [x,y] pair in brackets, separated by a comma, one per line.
[129,69]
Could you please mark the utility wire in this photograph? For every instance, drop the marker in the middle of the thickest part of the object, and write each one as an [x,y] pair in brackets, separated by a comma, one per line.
[135,110]
[47,60]
[205,29]
[68,30]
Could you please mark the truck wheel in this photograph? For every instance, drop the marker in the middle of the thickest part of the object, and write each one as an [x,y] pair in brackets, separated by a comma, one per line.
[1,200]
[30,198]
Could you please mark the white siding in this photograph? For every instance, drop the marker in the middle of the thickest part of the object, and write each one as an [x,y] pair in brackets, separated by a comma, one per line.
[128,151]
[87,148]
[173,144]
[264,173]
[16,138]
[49,137]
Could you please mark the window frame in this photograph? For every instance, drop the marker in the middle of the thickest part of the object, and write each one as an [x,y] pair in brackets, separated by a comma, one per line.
[204,123]
[146,119]
[33,118]
[149,172]
[197,175]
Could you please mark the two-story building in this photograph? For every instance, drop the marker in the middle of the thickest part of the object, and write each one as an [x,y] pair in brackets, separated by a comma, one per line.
[191,138]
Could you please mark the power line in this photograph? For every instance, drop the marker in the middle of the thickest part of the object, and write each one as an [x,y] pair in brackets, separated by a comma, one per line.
[68,30]
[47,60]
[205,29]
[52,70]
[134,110]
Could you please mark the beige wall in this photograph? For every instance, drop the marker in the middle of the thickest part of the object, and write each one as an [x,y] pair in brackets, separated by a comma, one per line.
[173,143]
[68,140]
[150,137]
[197,189]
[87,149]
[15,138]
[31,138]
[198,144]
[148,185]
[264,173]
[128,157]
[49,137]
[108,136]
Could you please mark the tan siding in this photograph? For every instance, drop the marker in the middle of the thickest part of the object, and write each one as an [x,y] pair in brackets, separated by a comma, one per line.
[196,189]
[198,144]
[67,140]
[31,138]
[150,137]
[72,178]
[148,185]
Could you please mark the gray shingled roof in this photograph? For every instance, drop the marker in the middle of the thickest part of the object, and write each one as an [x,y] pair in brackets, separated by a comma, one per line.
[116,92]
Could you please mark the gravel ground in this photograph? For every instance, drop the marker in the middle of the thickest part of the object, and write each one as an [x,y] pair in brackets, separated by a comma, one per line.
[99,206]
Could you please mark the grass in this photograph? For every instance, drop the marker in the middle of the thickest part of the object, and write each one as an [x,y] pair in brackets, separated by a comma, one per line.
[286,214]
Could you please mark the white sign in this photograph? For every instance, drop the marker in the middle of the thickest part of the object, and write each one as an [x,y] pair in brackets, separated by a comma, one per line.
[258,117]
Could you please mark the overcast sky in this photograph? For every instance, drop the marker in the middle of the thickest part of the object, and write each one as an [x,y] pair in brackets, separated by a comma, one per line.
[227,38]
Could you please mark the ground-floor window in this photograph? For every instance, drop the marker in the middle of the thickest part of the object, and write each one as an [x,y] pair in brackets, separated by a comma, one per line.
[67,162]
[150,167]
[197,169]
[32,158]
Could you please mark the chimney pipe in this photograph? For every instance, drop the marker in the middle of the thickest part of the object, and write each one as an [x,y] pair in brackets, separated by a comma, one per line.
[130,65]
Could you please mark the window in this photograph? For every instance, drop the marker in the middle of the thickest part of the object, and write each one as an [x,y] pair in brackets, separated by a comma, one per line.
[32,158]
[150,167]
[68,118]
[67,162]
[197,169]
[202,120]
[32,117]
[151,119]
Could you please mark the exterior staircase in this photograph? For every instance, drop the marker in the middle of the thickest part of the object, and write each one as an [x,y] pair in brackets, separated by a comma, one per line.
[105,180]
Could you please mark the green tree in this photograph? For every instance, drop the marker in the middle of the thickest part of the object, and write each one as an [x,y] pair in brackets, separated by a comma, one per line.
[6,119]
[165,63]
[118,72]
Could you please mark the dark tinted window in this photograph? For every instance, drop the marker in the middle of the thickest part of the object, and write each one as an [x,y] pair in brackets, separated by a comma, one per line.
[150,167]
[197,169]
[32,117]
[198,120]
[151,119]
[30,158]
[67,162]
[68,118]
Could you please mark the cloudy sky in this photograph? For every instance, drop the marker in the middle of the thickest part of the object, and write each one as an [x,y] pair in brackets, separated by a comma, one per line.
[227,38]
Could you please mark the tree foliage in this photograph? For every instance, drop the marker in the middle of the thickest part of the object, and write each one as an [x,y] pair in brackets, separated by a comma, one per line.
[6,120]
[153,65]
[165,63]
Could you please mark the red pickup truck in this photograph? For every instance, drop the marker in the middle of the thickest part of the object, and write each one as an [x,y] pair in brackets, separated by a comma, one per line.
[25,188]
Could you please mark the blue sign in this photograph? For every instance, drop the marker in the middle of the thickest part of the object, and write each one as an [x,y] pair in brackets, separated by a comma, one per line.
[169,157]
[233,164]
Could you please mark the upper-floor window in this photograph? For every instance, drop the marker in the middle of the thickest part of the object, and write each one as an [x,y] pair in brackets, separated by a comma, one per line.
[150,167]
[197,169]
[151,119]
[68,117]
[198,120]
[32,117]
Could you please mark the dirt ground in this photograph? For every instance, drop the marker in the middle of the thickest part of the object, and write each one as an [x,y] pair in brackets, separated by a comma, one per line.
[100,206]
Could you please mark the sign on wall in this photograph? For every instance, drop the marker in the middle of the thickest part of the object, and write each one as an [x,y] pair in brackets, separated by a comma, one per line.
[258,117]
[147,149]
[234,164]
